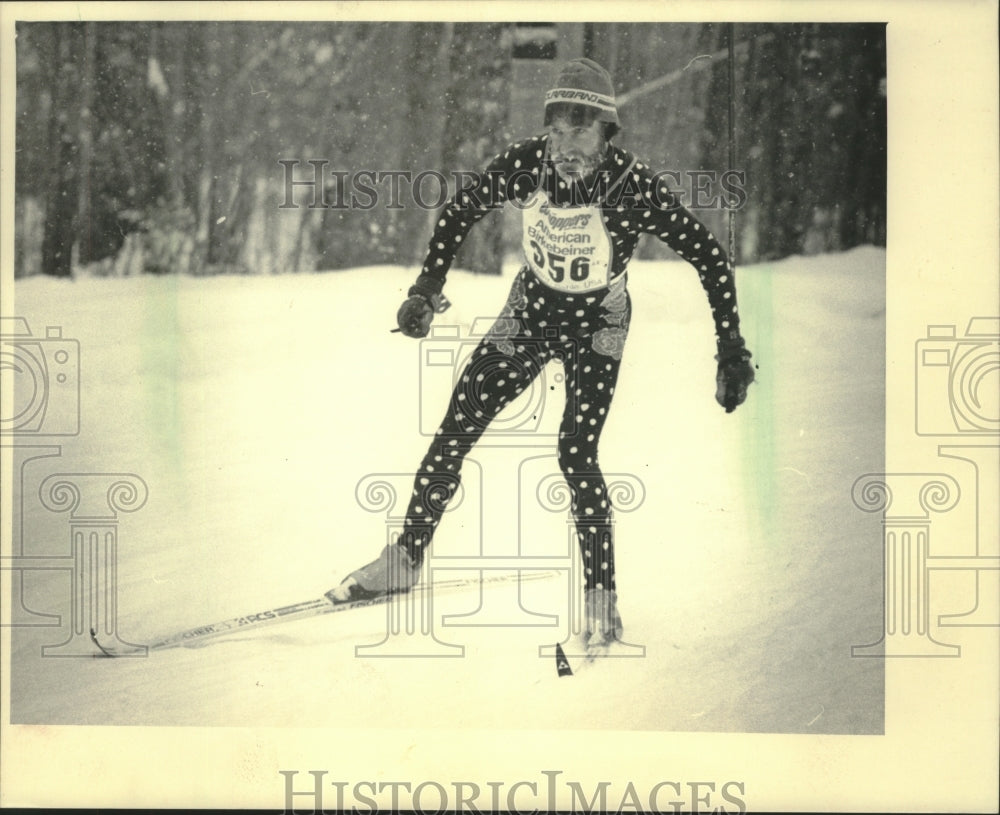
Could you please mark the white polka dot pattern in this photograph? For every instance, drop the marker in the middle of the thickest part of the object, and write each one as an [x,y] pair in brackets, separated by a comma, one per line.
[509,360]
[640,204]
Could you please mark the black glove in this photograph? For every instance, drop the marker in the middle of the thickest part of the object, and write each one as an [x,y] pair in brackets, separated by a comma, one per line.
[734,375]
[415,315]
[424,299]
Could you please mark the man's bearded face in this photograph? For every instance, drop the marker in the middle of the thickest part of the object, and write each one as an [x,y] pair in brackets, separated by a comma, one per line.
[575,150]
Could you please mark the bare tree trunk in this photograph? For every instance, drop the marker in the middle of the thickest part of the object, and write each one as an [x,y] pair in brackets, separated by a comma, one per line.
[476,115]
[612,65]
[204,211]
[436,133]
[166,67]
[60,210]
[85,138]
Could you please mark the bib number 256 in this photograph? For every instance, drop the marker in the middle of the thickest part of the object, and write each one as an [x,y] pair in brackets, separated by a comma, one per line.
[555,265]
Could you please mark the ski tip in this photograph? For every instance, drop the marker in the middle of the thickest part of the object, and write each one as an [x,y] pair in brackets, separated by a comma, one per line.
[104,652]
[562,664]
[119,649]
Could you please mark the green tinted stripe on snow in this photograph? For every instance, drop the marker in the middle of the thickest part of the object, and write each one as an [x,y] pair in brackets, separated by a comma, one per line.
[160,367]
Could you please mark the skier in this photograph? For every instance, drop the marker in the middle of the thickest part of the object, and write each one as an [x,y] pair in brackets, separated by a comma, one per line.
[585,202]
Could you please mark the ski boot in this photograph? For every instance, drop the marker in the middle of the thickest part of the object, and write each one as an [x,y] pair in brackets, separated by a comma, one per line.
[604,623]
[392,572]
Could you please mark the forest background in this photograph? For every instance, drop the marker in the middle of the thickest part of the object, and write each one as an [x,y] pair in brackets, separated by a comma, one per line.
[169,147]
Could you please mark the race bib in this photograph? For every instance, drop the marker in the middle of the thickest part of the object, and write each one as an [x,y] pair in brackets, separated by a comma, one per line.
[568,249]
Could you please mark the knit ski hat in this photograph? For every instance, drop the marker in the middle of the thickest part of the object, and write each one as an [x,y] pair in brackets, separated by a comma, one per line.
[584,83]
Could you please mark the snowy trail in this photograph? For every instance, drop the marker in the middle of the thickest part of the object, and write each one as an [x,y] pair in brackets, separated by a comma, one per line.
[252,407]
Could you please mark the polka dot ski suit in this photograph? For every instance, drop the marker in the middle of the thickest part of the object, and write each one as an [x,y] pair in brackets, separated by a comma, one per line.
[582,323]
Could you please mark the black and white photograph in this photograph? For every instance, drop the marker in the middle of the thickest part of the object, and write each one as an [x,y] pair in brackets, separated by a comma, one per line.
[418,408]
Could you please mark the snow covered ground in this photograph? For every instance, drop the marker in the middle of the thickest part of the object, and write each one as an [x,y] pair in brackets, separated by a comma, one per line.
[252,407]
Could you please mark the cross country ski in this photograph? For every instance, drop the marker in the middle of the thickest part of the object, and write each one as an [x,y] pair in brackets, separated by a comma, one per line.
[214,632]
